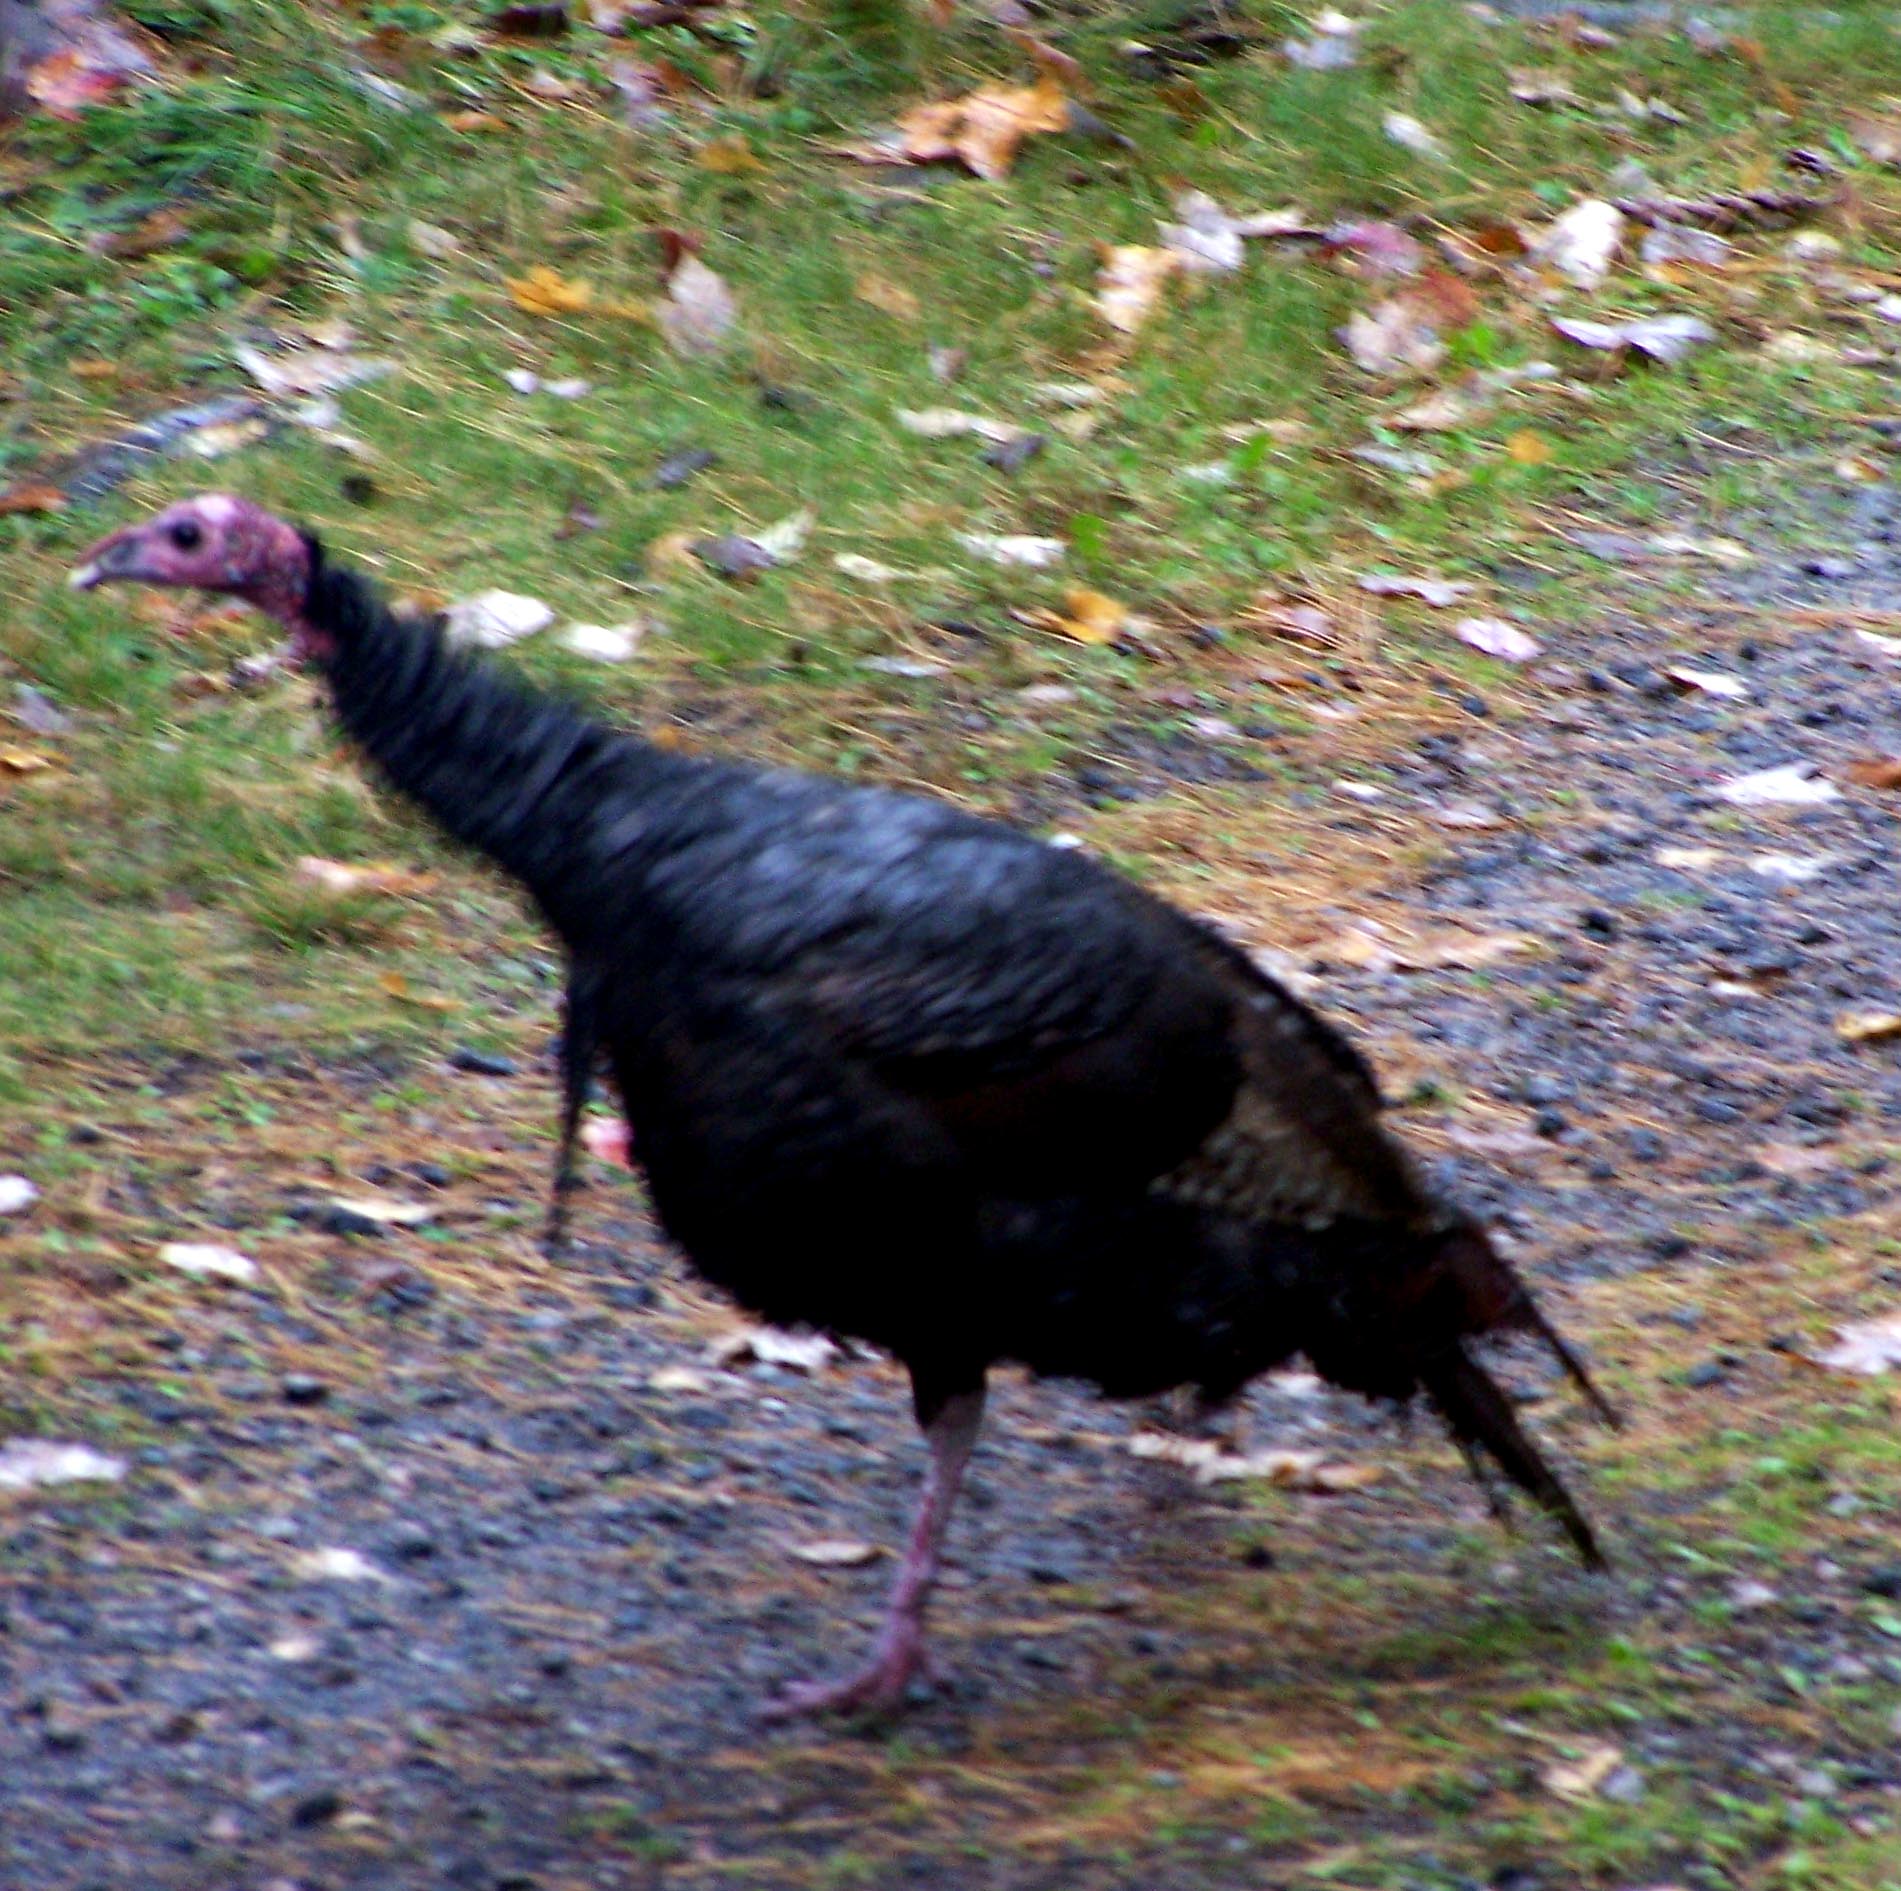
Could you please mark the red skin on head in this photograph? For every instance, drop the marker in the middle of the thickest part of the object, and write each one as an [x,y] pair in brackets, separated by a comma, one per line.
[213,542]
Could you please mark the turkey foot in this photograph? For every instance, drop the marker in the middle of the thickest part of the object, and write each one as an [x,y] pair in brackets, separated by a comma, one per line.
[900,1655]
[876,1688]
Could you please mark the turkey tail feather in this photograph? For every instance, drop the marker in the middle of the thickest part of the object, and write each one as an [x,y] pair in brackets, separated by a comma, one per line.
[1480,1415]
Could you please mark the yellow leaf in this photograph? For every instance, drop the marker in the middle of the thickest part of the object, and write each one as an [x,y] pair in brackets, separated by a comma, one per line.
[672,556]
[1867,1027]
[1092,617]
[892,297]
[23,761]
[728,157]
[94,369]
[472,121]
[544,291]
[1529,448]
[1130,283]
[398,988]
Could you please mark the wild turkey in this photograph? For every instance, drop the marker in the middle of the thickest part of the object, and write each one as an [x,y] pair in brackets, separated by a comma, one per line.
[913,1076]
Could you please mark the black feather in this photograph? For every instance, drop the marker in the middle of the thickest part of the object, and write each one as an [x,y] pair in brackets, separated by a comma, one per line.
[914,1076]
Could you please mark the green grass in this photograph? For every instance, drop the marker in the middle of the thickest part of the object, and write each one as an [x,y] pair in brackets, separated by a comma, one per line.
[146,901]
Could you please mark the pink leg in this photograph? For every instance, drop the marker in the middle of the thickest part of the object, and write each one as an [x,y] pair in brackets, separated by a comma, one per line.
[899,1654]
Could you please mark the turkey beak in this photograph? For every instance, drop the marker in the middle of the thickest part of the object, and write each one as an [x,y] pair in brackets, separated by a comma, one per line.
[115,556]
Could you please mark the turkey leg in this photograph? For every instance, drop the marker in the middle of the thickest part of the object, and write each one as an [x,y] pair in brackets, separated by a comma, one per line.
[899,1653]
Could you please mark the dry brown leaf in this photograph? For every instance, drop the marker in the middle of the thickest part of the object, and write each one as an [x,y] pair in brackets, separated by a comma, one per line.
[31,496]
[984,128]
[71,82]
[1437,413]
[18,761]
[93,369]
[1527,447]
[474,121]
[880,292]
[1129,284]
[399,988]
[1882,772]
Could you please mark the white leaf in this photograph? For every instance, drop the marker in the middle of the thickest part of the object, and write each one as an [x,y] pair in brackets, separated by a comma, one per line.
[16,1193]
[202,1260]
[1207,238]
[1885,646]
[1437,592]
[1398,335]
[904,666]
[28,1463]
[835,1553]
[1406,130]
[942,423]
[785,539]
[866,570]
[385,1211]
[1870,1347]
[433,241]
[1793,784]
[301,371]
[1014,548]
[1582,243]
[491,619]
[605,643]
[1067,393]
[1710,682]
[772,1346]
[336,1565]
[522,380]
[1579,1779]
[1791,869]
[679,1379]
[1669,337]
[570,388]
[699,309]
[1496,638]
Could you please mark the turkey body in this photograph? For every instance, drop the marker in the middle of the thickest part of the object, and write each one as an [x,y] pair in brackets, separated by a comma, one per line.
[913,1076]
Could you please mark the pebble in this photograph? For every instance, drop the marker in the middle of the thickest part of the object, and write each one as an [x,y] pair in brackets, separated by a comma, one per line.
[302,1388]
[316,1808]
[1885,1581]
[1710,1372]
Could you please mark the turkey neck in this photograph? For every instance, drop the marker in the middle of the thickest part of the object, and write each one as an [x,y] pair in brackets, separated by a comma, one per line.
[519,776]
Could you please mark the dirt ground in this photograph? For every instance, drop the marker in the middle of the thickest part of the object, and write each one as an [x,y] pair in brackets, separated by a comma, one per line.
[572,1531]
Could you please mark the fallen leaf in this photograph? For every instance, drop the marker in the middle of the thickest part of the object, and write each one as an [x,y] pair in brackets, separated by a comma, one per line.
[1582,243]
[1579,1779]
[1407,132]
[772,1346]
[1291,1470]
[545,291]
[385,1210]
[1884,772]
[16,1193]
[531,19]
[204,1261]
[431,240]
[18,761]
[1381,949]
[984,129]
[1542,88]
[880,292]
[1496,638]
[473,121]
[1089,617]
[400,989]
[1726,210]
[1867,1027]
[644,93]
[785,539]
[1791,869]
[31,496]
[683,464]
[699,311]
[1527,447]
[836,1553]
[1679,243]
[1014,548]
[1206,238]
[1401,334]
[942,423]
[1709,682]
[1437,413]
[492,619]
[1665,338]
[1437,592]
[28,1463]
[680,1379]
[73,81]
[605,643]
[1129,283]
[1871,1346]
[730,156]
[1335,44]
[608,1139]
[867,570]
[336,876]
[1877,137]
[336,1565]
[1883,646]
[1793,784]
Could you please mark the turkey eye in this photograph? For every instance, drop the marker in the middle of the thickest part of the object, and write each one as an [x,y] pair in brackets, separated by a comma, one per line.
[186,536]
